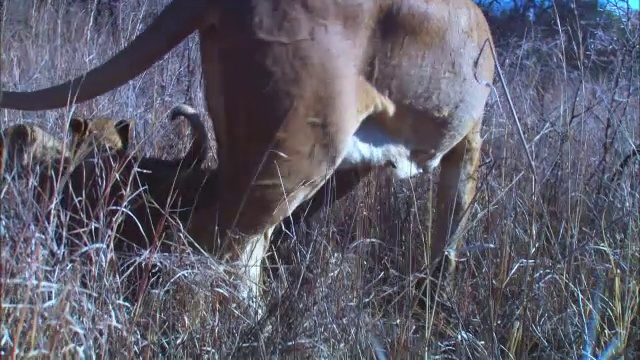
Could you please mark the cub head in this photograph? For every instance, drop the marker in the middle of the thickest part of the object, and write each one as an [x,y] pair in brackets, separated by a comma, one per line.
[103,134]
[22,144]
[100,138]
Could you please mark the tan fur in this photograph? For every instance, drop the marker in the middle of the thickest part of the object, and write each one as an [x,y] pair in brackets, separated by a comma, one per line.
[29,144]
[25,144]
[89,138]
[101,133]
[372,102]
[369,103]
[298,64]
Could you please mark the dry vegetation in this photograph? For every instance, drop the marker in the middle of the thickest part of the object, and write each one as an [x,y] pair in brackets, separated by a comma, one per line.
[550,268]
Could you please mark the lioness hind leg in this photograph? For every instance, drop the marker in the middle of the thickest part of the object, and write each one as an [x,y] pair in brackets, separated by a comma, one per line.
[342,181]
[456,190]
[341,184]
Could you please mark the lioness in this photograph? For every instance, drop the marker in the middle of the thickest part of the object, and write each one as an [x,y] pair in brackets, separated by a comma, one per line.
[298,63]
[372,107]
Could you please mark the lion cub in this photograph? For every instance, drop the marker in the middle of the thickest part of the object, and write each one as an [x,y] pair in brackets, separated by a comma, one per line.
[27,145]
[128,179]
[24,144]
[88,139]
[98,135]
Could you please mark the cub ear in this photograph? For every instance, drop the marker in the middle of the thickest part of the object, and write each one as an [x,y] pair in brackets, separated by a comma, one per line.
[123,128]
[78,126]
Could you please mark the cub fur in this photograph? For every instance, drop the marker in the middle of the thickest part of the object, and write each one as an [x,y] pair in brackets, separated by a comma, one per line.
[102,134]
[24,144]
[128,177]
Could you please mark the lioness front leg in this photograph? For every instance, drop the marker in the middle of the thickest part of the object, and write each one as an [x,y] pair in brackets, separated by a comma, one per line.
[370,103]
[307,149]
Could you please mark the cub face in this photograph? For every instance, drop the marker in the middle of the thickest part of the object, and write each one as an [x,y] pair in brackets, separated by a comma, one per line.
[101,134]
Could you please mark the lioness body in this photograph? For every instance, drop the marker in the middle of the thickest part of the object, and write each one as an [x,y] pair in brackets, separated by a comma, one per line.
[299,63]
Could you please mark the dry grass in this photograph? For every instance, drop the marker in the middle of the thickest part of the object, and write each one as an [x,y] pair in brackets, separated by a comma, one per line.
[551,268]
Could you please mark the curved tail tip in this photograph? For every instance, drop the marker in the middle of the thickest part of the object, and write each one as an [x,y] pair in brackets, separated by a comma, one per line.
[182,110]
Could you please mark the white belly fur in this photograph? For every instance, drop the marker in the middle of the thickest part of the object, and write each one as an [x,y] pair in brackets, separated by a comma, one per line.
[371,145]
